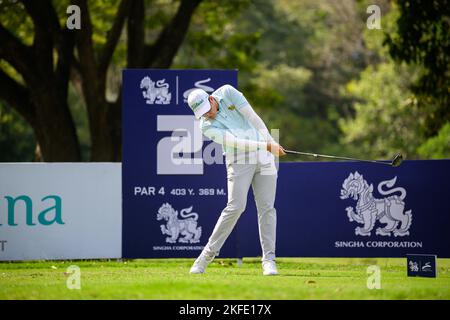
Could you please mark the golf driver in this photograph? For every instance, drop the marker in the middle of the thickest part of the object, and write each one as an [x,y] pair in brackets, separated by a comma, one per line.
[396,161]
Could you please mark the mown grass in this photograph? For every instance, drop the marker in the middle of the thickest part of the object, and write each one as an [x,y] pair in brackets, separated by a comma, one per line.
[164,279]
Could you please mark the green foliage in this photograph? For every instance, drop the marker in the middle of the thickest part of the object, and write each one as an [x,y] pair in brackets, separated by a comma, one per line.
[293,59]
[320,43]
[282,36]
[79,113]
[277,96]
[284,81]
[423,38]
[437,147]
[387,119]
[391,115]
[374,39]
[388,115]
[310,68]
[213,41]
[17,142]
[14,18]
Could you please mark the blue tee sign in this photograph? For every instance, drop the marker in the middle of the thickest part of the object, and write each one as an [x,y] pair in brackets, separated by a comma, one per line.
[352,209]
[174,188]
[172,196]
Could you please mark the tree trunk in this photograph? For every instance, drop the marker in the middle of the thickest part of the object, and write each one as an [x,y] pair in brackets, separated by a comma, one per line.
[45,108]
[44,67]
[105,118]
[105,132]
[55,130]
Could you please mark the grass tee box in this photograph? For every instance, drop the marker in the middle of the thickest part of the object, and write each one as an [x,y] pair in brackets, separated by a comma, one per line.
[165,279]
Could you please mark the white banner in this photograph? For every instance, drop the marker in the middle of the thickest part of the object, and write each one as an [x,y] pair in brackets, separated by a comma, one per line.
[60,211]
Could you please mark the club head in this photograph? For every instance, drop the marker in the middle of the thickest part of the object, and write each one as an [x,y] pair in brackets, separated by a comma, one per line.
[397,160]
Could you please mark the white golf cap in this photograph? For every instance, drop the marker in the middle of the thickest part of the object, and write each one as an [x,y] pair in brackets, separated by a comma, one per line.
[198,102]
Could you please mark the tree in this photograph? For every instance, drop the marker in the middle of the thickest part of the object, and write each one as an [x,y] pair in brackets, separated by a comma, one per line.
[105,116]
[16,136]
[308,50]
[386,117]
[39,93]
[37,86]
[423,38]
[438,146]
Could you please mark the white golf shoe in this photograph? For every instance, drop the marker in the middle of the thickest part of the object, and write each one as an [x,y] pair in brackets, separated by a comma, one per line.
[269,268]
[201,263]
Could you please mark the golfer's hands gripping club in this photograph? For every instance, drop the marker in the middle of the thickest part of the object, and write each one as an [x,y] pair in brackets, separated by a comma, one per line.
[275,149]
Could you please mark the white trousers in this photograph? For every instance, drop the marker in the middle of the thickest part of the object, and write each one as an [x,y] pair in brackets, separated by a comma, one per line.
[263,179]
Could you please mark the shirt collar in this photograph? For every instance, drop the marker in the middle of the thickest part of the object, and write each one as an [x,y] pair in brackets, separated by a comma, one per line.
[219,100]
[217,97]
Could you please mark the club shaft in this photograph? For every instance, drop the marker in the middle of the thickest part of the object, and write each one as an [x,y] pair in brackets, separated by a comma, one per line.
[316,155]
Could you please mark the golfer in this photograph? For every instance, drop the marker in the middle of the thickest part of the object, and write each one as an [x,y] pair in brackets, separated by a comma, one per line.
[227,118]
